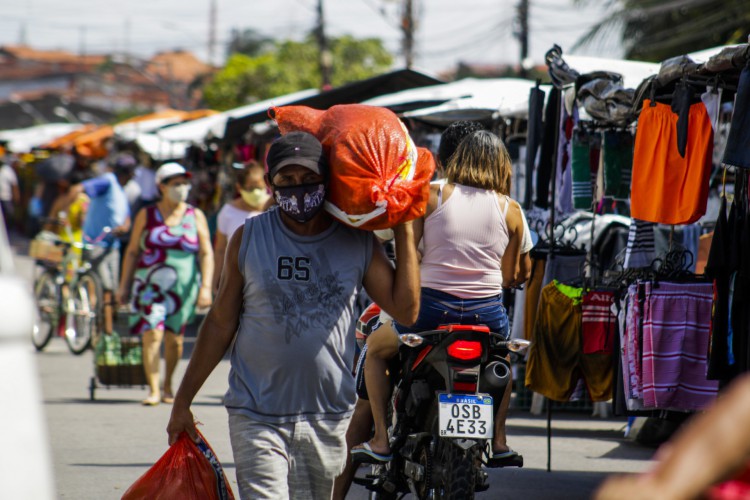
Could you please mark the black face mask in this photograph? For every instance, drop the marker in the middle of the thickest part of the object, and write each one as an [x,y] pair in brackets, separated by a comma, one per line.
[301,202]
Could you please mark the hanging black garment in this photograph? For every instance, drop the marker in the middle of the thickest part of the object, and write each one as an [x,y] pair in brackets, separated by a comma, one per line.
[681,107]
[547,155]
[740,299]
[737,152]
[740,261]
[717,269]
[533,139]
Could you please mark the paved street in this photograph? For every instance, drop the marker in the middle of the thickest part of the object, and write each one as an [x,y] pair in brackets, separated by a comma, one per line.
[101,447]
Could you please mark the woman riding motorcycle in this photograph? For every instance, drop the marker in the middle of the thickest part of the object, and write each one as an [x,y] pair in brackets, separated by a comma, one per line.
[471,234]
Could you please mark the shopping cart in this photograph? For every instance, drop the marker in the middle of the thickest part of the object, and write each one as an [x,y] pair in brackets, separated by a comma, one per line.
[118,357]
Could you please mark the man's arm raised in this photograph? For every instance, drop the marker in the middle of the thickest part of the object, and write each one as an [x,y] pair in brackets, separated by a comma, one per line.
[396,292]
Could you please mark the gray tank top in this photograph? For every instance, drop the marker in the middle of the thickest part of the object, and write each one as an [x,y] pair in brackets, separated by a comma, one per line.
[293,354]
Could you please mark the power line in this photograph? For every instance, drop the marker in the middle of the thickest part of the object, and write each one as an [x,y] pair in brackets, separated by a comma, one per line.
[471,27]
[394,23]
[495,32]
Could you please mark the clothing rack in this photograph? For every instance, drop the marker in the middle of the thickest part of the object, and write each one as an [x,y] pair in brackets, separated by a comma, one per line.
[557,87]
[555,233]
[675,264]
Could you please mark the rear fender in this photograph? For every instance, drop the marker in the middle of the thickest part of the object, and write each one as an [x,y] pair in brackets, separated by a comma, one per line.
[453,370]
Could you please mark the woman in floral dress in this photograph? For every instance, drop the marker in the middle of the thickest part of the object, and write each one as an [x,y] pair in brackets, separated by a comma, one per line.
[169,263]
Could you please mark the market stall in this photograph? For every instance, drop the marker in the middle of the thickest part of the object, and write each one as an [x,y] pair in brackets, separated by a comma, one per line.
[649,330]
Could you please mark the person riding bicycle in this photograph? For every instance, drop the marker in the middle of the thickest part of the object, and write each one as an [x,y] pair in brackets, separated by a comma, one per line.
[108,216]
[69,217]
[471,234]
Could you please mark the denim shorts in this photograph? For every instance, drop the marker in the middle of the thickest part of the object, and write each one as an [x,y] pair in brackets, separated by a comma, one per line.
[439,308]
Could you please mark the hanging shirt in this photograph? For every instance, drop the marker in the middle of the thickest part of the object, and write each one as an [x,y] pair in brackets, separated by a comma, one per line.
[667,187]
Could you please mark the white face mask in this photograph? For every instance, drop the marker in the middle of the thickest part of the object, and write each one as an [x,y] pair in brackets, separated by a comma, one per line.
[178,193]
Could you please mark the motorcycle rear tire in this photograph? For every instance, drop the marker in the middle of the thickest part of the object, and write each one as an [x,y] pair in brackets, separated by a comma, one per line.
[453,467]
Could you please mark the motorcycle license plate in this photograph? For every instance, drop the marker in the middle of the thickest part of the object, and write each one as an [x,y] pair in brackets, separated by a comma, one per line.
[465,416]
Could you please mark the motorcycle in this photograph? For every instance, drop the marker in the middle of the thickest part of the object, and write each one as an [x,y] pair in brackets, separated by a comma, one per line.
[448,384]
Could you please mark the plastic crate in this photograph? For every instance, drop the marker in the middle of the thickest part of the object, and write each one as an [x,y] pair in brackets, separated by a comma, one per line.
[119,360]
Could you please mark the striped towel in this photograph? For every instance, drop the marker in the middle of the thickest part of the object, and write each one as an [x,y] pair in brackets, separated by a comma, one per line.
[676,328]
[640,249]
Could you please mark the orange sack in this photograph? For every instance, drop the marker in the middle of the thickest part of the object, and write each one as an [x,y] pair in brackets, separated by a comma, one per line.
[379,178]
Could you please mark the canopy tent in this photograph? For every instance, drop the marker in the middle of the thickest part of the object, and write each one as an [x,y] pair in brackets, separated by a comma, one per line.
[486,100]
[432,95]
[197,130]
[61,141]
[131,128]
[26,139]
[93,144]
[350,93]
[160,149]
[633,72]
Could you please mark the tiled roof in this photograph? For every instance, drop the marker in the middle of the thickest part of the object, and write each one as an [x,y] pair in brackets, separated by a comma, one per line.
[26,53]
[178,65]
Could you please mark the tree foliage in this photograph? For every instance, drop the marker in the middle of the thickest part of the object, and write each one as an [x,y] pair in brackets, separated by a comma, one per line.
[288,66]
[655,30]
[247,41]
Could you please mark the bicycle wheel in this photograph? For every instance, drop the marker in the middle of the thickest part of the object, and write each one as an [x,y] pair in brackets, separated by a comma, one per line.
[47,296]
[83,305]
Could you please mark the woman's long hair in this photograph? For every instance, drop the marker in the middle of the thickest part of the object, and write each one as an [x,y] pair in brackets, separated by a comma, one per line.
[481,161]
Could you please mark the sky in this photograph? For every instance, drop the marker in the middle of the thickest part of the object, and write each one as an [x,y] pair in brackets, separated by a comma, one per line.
[448,31]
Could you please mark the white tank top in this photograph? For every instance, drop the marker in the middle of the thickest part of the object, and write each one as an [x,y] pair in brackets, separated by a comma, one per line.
[464,241]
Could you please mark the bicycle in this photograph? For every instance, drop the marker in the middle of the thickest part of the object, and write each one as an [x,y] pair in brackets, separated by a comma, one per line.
[68,294]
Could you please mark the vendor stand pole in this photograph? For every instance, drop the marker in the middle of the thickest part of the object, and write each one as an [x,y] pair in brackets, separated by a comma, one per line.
[551,253]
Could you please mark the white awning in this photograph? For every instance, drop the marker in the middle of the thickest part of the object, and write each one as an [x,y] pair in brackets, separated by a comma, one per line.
[633,72]
[492,98]
[160,149]
[197,130]
[25,139]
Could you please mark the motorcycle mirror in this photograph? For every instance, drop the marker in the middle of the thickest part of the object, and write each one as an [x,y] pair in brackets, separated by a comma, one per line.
[518,345]
[411,339]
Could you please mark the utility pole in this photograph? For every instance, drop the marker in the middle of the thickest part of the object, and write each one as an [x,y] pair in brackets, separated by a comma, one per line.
[126,42]
[82,67]
[22,34]
[522,11]
[407,26]
[325,58]
[212,32]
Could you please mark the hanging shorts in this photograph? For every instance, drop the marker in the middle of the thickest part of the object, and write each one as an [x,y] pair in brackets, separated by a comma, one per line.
[598,323]
[667,187]
[556,361]
[533,292]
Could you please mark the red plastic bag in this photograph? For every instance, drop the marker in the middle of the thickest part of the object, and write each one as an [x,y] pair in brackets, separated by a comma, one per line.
[187,471]
[737,488]
[379,178]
